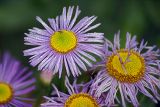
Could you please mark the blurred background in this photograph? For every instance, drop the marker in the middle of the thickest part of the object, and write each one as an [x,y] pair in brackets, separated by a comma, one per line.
[141,18]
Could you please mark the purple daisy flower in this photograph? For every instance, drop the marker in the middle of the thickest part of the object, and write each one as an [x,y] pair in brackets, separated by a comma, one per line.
[64,43]
[15,82]
[80,95]
[128,71]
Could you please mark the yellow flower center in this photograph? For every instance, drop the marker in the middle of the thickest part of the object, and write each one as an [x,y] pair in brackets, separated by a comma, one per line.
[126,66]
[63,41]
[81,100]
[6,93]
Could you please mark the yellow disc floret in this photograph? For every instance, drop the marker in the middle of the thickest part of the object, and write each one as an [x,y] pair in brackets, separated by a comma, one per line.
[6,93]
[126,66]
[63,41]
[81,100]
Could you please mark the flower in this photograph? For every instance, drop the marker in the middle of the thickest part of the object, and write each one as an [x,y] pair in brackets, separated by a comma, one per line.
[15,82]
[80,95]
[64,43]
[128,71]
[46,77]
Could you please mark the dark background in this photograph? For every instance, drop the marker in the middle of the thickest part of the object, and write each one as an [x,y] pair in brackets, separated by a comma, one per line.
[139,17]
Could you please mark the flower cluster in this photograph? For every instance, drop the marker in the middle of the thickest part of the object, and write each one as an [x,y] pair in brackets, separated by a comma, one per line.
[128,71]
[67,46]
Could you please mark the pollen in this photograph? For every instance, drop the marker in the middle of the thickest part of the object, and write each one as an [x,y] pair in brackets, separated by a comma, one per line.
[126,66]
[63,41]
[6,93]
[81,100]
